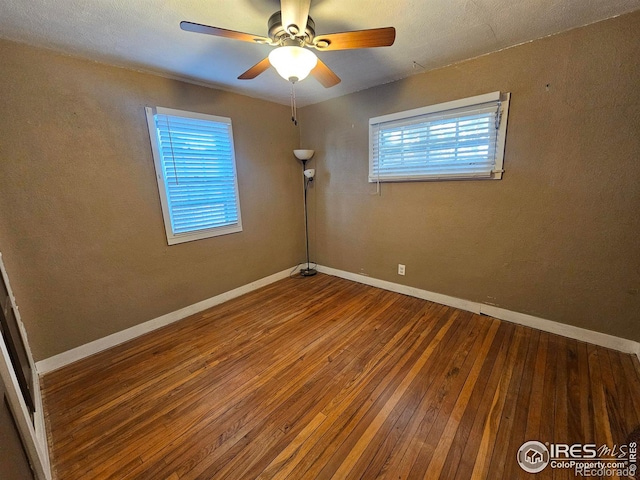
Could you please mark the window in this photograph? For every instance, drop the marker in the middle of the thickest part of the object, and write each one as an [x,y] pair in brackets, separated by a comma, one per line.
[196,172]
[453,140]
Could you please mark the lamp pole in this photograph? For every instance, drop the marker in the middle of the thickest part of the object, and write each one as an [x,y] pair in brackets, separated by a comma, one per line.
[306,272]
[307,178]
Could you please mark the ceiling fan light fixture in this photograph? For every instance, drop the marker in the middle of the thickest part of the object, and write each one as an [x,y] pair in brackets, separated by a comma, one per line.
[293,63]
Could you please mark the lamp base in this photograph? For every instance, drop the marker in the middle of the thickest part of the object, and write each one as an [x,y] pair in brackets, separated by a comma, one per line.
[308,272]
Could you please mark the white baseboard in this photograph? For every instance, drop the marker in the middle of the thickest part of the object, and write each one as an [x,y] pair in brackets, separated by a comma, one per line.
[570,331]
[404,289]
[597,338]
[65,358]
[621,344]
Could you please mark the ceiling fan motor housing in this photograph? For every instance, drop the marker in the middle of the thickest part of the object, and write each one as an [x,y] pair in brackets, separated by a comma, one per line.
[277,32]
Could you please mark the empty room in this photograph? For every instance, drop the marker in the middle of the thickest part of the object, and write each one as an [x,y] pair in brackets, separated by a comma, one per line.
[300,239]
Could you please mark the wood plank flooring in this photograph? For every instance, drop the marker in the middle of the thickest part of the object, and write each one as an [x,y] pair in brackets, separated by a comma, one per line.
[325,378]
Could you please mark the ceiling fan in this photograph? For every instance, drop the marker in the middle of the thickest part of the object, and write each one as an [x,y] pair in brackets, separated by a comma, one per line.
[290,30]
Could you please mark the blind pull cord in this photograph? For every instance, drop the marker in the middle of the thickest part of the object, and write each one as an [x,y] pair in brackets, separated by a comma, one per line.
[376,160]
[495,139]
[498,115]
[173,157]
[378,169]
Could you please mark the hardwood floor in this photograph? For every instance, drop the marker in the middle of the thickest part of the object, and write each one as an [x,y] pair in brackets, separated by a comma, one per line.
[326,378]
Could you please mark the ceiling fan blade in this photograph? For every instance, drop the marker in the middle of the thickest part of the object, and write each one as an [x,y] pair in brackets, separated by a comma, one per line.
[294,16]
[256,70]
[223,32]
[375,37]
[325,75]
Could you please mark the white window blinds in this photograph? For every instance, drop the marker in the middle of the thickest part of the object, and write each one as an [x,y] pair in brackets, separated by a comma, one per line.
[460,139]
[195,166]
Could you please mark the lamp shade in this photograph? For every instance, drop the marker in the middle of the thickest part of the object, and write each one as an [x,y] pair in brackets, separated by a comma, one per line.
[303,154]
[293,63]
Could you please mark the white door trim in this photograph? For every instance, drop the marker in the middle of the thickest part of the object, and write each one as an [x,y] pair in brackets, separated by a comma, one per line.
[34,435]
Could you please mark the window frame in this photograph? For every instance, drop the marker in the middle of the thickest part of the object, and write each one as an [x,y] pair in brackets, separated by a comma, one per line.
[177,238]
[502,102]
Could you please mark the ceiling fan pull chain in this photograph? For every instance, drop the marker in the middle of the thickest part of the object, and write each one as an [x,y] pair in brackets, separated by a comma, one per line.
[294,110]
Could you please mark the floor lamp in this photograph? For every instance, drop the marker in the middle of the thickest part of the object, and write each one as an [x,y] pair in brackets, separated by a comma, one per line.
[307,178]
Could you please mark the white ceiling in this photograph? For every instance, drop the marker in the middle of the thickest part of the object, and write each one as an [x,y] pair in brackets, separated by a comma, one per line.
[145,35]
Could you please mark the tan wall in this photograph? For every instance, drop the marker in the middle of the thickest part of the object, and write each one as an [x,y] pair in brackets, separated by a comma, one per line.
[81,227]
[558,237]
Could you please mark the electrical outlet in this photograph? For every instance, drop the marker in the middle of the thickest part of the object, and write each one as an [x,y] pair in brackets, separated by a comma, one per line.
[400,269]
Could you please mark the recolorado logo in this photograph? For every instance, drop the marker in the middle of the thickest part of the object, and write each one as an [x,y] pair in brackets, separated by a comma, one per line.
[586,460]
